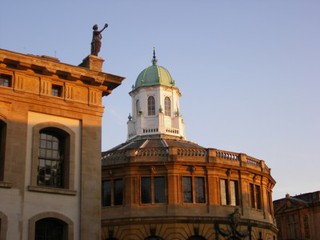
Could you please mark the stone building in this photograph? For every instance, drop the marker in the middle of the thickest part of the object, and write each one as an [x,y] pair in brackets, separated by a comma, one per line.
[50,146]
[298,217]
[159,186]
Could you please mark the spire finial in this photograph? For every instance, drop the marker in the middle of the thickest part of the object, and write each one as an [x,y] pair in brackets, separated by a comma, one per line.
[154,59]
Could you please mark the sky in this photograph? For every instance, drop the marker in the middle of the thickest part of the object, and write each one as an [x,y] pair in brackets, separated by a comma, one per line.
[248,70]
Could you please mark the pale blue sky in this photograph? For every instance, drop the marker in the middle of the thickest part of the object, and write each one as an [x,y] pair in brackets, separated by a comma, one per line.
[248,70]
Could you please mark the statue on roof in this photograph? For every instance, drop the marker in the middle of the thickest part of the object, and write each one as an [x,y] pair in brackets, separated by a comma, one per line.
[96,39]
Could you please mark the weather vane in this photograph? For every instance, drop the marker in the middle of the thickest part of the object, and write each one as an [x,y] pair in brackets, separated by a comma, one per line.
[96,39]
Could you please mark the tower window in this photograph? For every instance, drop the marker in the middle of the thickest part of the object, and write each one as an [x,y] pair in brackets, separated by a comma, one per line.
[167,106]
[137,107]
[5,80]
[151,106]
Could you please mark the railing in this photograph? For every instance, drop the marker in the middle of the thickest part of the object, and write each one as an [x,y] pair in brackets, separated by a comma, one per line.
[196,152]
[183,154]
[152,152]
[172,130]
[150,130]
[253,161]
[228,155]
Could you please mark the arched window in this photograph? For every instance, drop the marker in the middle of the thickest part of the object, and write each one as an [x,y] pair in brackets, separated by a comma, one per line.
[167,106]
[51,229]
[52,152]
[151,106]
[3,130]
[137,107]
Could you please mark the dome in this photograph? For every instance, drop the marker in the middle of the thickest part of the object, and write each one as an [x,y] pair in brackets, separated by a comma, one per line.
[154,75]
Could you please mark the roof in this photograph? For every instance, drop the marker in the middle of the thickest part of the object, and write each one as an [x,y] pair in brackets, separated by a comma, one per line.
[155,141]
[154,75]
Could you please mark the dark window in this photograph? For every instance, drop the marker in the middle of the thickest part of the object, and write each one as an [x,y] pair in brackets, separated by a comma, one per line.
[229,192]
[258,196]
[200,192]
[50,229]
[187,189]
[151,106]
[56,90]
[118,191]
[252,196]
[159,190]
[153,189]
[2,148]
[51,159]
[255,196]
[112,192]
[146,190]
[106,193]
[167,106]
[5,80]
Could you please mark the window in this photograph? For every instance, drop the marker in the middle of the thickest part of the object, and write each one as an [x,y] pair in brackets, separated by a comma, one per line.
[56,90]
[167,106]
[193,189]
[112,192]
[229,192]
[50,229]
[2,148]
[137,108]
[270,204]
[5,80]
[255,196]
[151,106]
[153,189]
[51,159]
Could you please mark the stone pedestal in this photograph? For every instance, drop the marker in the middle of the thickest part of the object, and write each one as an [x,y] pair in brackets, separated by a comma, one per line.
[92,62]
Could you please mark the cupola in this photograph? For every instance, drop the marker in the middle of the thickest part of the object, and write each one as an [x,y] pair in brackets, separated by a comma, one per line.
[155,104]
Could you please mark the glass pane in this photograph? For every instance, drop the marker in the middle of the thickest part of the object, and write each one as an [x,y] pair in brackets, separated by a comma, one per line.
[106,193]
[200,191]
[233,192]
[187,189]
[145,190]
[118,192]
[253,205]
[159,190]
[223,191]
[258,197]
[151,106]
[167,106]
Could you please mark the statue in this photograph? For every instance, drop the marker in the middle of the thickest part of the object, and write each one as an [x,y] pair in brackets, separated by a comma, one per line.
[96,39]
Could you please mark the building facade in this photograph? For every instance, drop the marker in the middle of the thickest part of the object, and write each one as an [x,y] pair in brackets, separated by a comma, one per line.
[157,185]
[298,217]
[50,146]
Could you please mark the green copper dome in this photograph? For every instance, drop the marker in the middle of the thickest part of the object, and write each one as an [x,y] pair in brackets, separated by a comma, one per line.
[154,75]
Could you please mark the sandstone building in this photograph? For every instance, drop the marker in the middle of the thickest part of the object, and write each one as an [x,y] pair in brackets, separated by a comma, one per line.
[50,146]
[159,186]
[298,217]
